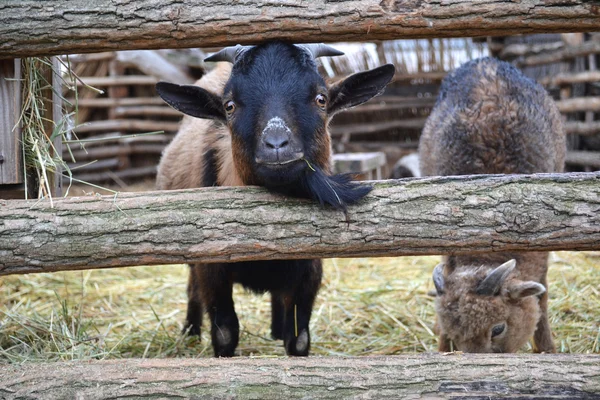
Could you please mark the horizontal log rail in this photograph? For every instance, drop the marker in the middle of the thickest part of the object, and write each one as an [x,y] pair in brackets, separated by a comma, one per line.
[414,376]
[131,125]
[32,28]
[437,215]
[567,53]
[564,78]
[583,158]
[582,128]
[578,104]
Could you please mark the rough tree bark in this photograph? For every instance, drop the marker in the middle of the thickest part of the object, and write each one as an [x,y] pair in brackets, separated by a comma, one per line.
[420,376]
[78,26]
[408,217]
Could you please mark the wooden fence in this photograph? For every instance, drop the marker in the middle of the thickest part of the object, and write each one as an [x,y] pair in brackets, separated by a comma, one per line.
[434,215]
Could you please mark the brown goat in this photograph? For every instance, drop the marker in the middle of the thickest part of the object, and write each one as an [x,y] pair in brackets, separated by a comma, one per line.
[491,119]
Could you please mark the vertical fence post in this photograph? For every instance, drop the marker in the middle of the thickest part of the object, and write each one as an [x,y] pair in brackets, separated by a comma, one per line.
[11,153]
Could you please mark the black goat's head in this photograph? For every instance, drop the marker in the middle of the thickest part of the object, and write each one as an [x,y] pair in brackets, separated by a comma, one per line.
[277,108]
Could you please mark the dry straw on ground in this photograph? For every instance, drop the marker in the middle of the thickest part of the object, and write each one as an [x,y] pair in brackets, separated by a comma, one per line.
[365,306]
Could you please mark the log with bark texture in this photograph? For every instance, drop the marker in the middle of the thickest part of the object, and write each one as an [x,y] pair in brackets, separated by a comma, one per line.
[414,376]
[405,217]
[32,28]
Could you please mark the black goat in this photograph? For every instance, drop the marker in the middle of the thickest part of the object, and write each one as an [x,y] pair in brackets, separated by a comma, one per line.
[264,122]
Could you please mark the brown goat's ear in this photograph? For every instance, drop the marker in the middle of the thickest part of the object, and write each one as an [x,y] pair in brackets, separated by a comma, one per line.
[358,88]
[192,100]
[526,289]
[438,278]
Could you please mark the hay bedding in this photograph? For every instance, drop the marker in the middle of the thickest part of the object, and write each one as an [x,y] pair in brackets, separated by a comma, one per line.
[365,306]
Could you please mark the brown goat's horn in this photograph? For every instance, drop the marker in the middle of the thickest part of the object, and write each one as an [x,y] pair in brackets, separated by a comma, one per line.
[492,283]
[229,54]
[438,278]
[320,50]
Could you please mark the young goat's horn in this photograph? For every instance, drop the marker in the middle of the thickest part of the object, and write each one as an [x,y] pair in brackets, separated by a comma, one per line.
[492,283]
[320,50]
[229,54]
[438,278]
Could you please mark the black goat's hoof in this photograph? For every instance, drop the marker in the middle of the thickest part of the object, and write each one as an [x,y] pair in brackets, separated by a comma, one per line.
[298,346]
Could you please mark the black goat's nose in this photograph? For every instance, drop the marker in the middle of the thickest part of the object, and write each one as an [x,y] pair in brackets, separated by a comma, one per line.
[276,139]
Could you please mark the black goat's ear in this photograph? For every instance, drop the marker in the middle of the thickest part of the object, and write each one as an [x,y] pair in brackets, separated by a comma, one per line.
[192,100]
[358,88]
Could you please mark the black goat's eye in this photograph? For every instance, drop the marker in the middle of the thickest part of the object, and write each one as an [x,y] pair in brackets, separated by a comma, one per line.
[497,330]
[229,107]
[321,100]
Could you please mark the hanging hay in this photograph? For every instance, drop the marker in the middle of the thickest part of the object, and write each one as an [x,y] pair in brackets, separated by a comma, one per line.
[40,128]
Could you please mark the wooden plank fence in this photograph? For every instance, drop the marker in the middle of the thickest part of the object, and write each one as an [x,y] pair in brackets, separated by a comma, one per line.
[422,216]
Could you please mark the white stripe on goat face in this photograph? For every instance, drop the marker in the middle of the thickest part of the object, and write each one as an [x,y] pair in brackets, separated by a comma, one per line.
[276,123]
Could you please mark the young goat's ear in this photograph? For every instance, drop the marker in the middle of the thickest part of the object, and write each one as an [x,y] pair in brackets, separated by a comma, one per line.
[358,88]
[525,289]
[192,100]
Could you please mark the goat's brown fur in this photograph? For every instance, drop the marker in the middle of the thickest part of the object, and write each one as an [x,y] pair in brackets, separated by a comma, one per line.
[490,119]
[182,163]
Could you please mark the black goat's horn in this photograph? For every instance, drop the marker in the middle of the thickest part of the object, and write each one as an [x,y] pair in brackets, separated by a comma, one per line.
[320,50]
[492,283]
[229,54]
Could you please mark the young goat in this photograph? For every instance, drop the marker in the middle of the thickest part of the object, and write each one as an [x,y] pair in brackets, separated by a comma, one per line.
[491,119]
[264,123]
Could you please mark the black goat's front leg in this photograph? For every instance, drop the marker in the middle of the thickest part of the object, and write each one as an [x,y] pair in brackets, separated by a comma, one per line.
[298,305]
[217,298]
[277,315]
[193,320]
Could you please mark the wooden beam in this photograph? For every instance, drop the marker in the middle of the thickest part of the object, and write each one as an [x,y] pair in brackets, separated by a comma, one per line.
[582,128]
[11,151]
[129,125]
[148,111]
[112,176]
[437,215]
[371,128]
[33,28]
[584,158]
[577,104]
[566,53]
[528,49]
[570,78]
[104,81]
[410,376]
[124,102]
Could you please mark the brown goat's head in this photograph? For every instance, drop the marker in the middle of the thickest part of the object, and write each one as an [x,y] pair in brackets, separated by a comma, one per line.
[486,309]
[277,108]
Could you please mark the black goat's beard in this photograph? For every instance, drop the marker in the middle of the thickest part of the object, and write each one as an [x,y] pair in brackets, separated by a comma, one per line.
[338,191]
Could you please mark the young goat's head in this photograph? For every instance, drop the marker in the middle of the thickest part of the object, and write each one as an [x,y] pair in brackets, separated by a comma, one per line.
[277,108]
[486,309]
